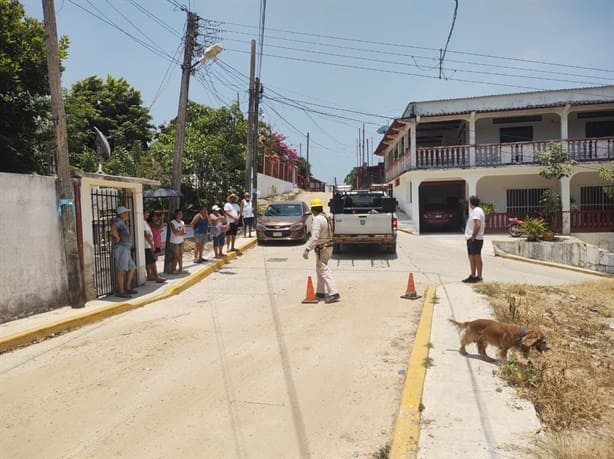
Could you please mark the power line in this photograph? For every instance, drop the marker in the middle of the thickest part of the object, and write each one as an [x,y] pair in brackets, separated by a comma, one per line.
[443,55]
[155,18]
[102,17]
[412,56]
[261,35]
[165,79]
[398,45]
[405,64]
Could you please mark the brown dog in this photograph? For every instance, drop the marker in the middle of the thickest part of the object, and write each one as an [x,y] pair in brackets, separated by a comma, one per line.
[502,335]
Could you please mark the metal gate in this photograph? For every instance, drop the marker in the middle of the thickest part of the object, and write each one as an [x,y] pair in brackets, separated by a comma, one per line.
[104,203]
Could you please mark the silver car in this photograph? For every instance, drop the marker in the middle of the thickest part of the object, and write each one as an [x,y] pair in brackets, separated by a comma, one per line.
[285,221]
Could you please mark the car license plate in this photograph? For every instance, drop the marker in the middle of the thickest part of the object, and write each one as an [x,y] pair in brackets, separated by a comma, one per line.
[276,233]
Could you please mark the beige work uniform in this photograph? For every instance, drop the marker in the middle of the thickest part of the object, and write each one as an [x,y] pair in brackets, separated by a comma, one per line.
[321,237]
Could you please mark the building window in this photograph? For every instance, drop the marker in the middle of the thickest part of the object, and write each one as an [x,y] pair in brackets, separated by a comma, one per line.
[523,202]
[516,134]
[595,198]
[600,129]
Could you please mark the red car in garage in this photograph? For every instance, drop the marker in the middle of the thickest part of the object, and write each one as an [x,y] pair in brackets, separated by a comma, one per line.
[438,218]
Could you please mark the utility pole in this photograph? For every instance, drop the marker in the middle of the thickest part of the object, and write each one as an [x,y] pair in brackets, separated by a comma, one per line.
[308,166]
[251,115]
[257,94]
[180,125]
[65,187]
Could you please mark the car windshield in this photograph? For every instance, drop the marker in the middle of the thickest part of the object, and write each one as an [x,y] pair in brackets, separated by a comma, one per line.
[283,210]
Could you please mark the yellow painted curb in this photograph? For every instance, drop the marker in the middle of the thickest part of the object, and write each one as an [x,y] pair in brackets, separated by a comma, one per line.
[407,427]
[45,331]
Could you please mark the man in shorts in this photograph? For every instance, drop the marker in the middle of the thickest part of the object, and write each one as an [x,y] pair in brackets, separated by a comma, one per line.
[474,233]
[122,244]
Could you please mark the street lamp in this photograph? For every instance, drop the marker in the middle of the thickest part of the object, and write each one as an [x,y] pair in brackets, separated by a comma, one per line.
[210,52]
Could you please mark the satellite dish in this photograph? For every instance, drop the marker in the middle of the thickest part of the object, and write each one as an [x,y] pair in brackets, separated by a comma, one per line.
[382,129]
[103,149]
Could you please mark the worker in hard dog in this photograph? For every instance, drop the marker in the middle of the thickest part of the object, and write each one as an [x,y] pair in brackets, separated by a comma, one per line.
[321,242]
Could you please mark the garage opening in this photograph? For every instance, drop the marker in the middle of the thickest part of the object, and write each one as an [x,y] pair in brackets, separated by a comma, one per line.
[442,206]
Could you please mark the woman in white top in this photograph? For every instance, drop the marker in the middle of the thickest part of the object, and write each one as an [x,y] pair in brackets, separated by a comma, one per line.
[247,212]
[178,232]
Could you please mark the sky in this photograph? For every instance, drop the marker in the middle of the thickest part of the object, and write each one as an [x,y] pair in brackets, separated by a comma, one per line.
[330,67]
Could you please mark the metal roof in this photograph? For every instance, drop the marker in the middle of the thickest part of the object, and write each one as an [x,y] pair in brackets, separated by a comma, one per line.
[497,103]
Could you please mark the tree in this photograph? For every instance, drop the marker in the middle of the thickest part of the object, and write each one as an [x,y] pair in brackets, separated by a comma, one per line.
[350,179]
[115,108]
[607,174]
[25,128]
[214,156]
[555,164]
[303,167]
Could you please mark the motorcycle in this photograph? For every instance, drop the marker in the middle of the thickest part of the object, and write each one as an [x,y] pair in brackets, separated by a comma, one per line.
[513,227]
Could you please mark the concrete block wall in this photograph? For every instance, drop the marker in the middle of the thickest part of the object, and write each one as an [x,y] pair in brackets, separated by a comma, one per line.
[32,264]
[270,186]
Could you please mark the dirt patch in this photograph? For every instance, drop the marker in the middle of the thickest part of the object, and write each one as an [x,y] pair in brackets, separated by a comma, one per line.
[572,384]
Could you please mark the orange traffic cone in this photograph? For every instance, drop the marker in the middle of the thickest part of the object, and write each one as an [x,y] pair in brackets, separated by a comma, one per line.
[310,296]
[410,293]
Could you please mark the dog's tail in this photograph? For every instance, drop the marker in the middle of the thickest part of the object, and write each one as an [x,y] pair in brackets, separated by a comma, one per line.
[459,325]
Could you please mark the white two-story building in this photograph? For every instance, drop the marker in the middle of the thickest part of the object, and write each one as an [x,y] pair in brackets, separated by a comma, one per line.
[440,152]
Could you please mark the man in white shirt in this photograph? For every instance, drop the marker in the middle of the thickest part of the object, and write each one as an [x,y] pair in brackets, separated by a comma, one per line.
[474,233]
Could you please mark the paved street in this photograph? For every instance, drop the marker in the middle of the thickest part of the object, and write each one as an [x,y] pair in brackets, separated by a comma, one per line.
[236,366]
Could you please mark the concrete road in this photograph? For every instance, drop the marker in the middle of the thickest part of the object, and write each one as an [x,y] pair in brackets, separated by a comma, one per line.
[234,367]
[237,366]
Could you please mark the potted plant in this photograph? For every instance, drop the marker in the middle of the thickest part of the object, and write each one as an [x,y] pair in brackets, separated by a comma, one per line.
[533,228]
[548,235]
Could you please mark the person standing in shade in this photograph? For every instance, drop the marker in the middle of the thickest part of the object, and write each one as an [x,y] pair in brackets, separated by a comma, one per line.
[150,258]
[178,233]
[155,223]
[121,246]
[247,212]
[474,233]
[217,222]
[200,224]
[321,242]
[232,210]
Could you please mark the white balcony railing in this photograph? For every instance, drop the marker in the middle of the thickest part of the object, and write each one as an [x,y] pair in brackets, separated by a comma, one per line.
[499,154]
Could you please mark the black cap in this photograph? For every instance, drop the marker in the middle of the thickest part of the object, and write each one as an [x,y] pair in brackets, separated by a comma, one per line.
[473,199]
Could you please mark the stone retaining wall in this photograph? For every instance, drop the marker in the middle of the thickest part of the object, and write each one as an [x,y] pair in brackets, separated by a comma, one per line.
[567,251]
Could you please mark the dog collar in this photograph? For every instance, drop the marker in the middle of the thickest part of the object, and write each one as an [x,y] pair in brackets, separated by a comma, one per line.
[523,331]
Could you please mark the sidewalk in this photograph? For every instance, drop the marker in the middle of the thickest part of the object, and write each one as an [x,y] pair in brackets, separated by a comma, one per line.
[465,410]
[40,326]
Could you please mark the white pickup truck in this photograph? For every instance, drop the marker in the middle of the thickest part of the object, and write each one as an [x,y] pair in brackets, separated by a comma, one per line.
[363,217]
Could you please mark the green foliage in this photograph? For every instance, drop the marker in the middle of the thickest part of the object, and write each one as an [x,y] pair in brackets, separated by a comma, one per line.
[606,172]
[550,203]
[533,228]
[350,179]
[519,373]
[487,207]
[214,154]
[26,134]
[554,162]
[115,108]
[304,168]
